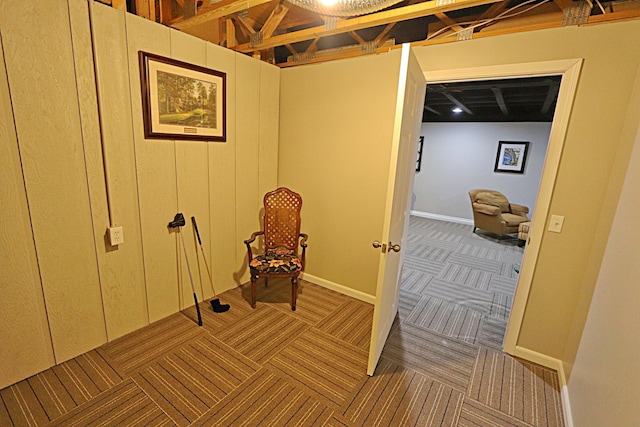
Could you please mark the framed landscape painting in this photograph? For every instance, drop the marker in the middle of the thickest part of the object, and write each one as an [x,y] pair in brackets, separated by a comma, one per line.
[511,157]
[181,100]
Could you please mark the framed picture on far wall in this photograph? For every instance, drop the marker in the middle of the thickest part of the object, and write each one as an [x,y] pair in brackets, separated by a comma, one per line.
[181,100]
[420,146]
[511,156]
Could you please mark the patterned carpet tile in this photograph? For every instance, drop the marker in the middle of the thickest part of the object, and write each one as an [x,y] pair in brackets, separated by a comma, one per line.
[522,390]
[350,322]
[267,399]
[322,364]
[503,284]
[56,391]
[395,396]
[477,263]
[407,302]
[504,243]
[262,334]
[448,245]
[511,255]
[475,414]
[446,360]
[500,306]
[465,296]
[491,333]
[424,266]
[415,281]
[427,252]
[314,302]
[124,404]
[134,350]
[480,252]
[214,322]
[462,275]
[446,318]
[191,379]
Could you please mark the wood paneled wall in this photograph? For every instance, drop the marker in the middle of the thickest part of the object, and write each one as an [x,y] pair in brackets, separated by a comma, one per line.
[68,125]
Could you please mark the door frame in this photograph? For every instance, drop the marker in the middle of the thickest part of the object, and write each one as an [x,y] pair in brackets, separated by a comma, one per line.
[569,69]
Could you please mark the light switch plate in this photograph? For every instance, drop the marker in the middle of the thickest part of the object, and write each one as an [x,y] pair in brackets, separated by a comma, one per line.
[555,225]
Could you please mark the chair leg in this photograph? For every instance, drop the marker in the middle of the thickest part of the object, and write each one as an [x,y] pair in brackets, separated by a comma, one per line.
[294,292]
[253,291]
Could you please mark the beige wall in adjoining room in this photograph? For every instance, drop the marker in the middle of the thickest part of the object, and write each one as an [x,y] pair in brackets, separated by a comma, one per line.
[591,170]
[61,113]
[336,125]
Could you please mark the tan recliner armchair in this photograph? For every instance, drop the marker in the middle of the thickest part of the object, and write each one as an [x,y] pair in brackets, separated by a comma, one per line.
[493,212]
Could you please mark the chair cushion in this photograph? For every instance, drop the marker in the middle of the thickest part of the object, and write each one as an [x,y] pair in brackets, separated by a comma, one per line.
[514,220]
[279,261]
[493,199]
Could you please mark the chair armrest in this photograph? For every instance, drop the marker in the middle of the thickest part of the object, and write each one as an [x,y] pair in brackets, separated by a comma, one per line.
[303,245]
[486,209]
[519,209]
[251,240]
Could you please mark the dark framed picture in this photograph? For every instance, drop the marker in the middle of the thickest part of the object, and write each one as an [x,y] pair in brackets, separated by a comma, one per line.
[419,161]
[511,156]
[181,100]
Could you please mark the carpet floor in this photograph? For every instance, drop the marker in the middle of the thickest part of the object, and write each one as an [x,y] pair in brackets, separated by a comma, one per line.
[442,365]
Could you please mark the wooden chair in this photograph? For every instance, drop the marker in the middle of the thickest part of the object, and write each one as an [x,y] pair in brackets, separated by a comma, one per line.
[281,231]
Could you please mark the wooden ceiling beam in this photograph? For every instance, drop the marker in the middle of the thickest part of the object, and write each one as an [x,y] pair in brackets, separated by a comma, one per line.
[500,100]
[219,10]
[361,22]
[552,93]
[384,35]
[457,102]
[448,21]
[356,37]
[273,21]
[562,4]
[245,26]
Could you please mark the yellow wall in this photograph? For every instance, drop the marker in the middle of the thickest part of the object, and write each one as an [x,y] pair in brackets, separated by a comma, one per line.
[336,125]
[591,169]
[54,210]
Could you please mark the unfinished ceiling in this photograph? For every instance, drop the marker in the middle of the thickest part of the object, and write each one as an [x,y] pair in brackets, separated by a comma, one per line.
[513,100]
[278,32]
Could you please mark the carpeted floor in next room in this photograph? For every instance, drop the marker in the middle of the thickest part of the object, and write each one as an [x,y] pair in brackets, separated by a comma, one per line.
[270,366]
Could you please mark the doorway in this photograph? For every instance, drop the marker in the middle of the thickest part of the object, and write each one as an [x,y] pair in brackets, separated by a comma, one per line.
[458,281]
[569,70]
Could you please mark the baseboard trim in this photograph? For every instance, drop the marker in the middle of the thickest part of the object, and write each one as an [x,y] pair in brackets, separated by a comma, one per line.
[371,299]
[442,217]
[556,365]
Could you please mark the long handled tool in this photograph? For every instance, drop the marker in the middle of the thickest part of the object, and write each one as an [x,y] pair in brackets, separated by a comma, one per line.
[178,221]
[215,302]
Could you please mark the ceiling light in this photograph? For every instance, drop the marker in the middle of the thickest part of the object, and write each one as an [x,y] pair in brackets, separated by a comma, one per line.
[457,110]
[343,8]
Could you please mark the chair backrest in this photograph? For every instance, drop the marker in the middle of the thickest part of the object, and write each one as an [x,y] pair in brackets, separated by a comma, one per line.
[490,197]
[282,219]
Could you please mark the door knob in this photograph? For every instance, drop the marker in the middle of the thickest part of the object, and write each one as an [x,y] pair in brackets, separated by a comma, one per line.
[377,245]
[394,248]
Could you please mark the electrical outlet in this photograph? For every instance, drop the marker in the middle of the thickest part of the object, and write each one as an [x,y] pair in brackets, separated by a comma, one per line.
[116,236]
[555,225]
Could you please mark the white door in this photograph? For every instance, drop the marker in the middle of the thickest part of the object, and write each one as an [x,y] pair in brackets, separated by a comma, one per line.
[409,105]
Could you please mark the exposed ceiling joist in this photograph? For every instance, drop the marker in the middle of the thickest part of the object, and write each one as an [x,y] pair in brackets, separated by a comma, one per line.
[362,22]
[273,29]
[500,100]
